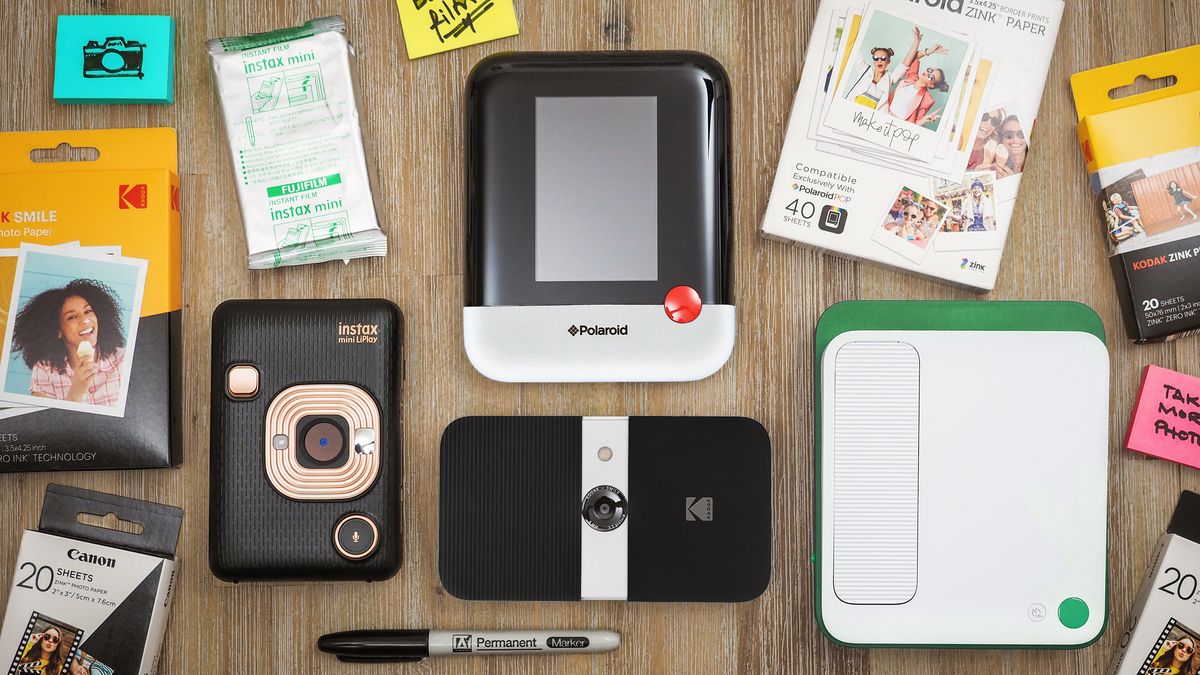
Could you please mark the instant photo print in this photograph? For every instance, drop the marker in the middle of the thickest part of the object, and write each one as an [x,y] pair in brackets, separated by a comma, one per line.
[970,223]
[93,584]
[90,300]
[599,217]
[605,508]
[305,434]
[920,100]
[962,465]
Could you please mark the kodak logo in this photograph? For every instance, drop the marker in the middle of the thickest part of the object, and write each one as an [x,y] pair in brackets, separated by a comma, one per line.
[132,196]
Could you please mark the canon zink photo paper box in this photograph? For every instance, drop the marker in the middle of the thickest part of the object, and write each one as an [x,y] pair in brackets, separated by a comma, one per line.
[1162,633]
[910,132]
[90,300]
[86,598]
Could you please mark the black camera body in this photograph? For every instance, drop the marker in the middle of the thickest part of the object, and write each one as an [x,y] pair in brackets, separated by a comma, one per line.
[117,57]
[305,455]
[612,508]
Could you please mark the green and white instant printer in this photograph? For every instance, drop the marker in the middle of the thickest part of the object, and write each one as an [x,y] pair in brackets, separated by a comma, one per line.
[962,469]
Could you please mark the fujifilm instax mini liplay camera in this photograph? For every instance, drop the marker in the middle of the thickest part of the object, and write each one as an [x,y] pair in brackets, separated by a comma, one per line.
[305,450]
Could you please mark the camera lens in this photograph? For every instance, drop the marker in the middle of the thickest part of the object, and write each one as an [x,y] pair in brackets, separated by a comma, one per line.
[604,508]
[322,442]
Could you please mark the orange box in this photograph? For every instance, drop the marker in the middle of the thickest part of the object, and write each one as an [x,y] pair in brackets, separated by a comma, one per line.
[90,300]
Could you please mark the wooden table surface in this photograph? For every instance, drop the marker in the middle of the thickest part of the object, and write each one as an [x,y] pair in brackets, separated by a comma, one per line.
[412,120]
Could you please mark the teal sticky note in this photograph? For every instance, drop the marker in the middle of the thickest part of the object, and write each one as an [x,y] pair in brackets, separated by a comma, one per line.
[115,59]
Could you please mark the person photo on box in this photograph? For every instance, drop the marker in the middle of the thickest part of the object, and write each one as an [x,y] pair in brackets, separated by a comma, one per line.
[1175,657]
[984,135]
[42,654]
[911,100]
[1128,220]
[73,341]
[977,210]
[909,225]
[1183,200]
[932,214]
[874,83]
[1010,152]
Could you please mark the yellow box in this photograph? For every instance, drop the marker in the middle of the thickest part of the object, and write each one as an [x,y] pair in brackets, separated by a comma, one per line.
[1143,161]
[90,300]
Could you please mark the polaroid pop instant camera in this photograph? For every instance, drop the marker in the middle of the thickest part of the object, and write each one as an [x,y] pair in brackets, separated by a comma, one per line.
[962,466]
[605,508]
[599,218]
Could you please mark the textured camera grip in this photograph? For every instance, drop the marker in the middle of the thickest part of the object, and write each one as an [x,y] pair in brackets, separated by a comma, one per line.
[510,508]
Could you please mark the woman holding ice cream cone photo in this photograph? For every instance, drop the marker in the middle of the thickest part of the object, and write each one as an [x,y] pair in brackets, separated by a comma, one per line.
[73,341]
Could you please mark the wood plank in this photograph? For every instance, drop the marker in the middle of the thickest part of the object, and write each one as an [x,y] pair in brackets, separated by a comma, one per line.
[414,127]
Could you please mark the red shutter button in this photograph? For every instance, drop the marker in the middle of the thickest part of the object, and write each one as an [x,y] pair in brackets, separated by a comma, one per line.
[682,304]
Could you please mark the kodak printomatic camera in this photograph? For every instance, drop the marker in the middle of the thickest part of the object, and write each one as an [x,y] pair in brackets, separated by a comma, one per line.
[305,449]
[598,217]
[605,508]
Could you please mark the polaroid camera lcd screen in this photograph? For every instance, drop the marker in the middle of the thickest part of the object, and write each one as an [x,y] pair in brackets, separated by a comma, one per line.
[596,210]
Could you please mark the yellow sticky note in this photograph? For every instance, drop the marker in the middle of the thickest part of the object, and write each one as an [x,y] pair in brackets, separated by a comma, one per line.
[433,26]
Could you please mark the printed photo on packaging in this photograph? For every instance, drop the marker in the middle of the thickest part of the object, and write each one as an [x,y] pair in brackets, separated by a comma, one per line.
[71,326]
[1169,199]
[1151,201]
[909,226]
[1001,142]
[8,268]
[970,222]
[949,160]
[47,647]
[900,78]
[1174,653]
[86,664]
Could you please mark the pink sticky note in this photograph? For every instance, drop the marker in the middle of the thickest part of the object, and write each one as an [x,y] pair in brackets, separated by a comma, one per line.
[1166,418]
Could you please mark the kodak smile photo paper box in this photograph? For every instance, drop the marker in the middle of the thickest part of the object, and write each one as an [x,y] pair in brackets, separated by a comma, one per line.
[90,300]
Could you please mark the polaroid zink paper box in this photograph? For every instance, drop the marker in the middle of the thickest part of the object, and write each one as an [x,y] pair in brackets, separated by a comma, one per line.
[90,300]
[1143,162]
[86,598]
[910,131]
[1163,631]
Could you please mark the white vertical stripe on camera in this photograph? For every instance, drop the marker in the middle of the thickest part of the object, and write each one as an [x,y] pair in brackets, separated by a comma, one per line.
[604,559]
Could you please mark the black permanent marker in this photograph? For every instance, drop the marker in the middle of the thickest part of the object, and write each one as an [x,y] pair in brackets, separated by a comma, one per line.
[383,646]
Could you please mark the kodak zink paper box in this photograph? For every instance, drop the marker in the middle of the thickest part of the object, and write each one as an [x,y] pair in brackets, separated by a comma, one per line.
[1162,633]
[90,300]
[1143,162]
[910,131]
[86,598]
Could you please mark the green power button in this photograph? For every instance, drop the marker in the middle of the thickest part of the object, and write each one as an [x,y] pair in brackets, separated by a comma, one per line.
[1073,612]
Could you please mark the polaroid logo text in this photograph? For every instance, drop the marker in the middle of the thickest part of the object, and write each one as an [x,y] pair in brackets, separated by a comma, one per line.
[581,329]
[955,6]
[28,216]
[567,642]
[76,554]
[351,333]
[833,196]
